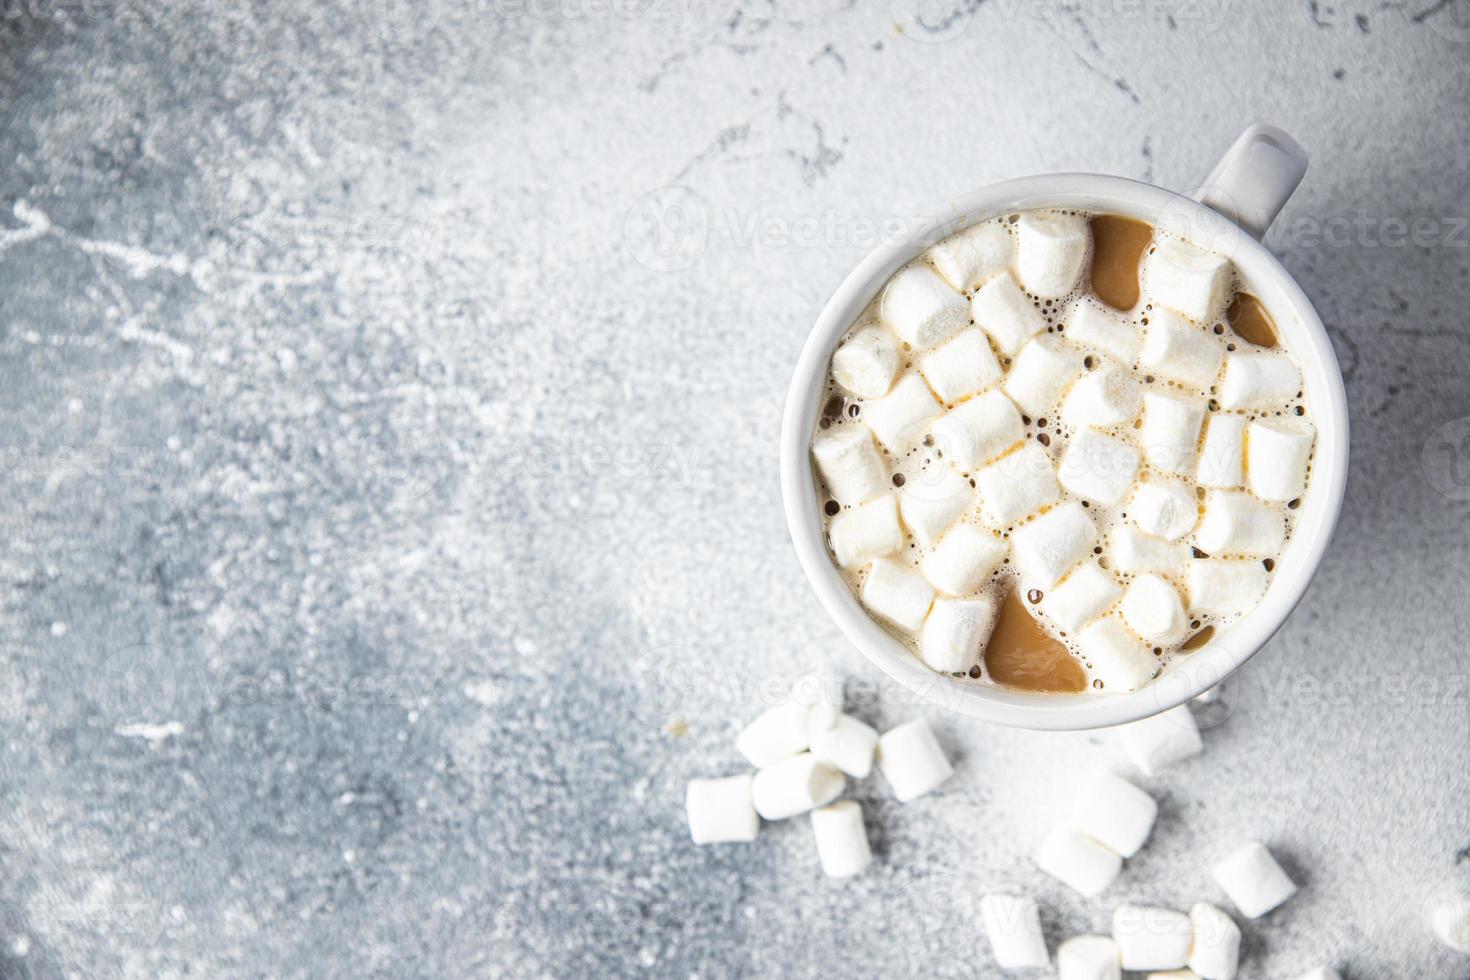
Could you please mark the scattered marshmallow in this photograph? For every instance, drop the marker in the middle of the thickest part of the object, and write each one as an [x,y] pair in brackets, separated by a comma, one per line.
[1161,740]
[1151,938]
[1086,593]
[1253,880]
[1259,379]
[1117,657]
[1214,953]
[842,841]
[1088,958]
[1017,485]
[898,593]
[865,532]
[1222,453]
[1170,432]
[963,560]
[821,695]
[1051,252]
[1223,587]
[911,760]
[1092,324]
[979,430]
[1176,349]
[1114,812]
[778,733]
[1078,861]
[1321,973]
[794,786]
[922,308]
[1134,552]
[1014,927]
[850,464]
[867,363]
[955,633]
[898,418]
[720,810]
[974,255]
[1164,509]
[932,500]
[1098,467]
[1276,457]
[1040,374]
[961,366]
[1048,547]
[1236,523]
[848,745]
[1007,314]
[1105,397]
[1152,608]
[1187,279]
[1450,920]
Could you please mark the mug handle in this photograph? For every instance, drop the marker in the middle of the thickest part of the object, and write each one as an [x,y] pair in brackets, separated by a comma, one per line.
[1254,178]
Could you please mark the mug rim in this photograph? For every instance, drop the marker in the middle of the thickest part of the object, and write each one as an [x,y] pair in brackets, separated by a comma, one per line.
[1306,339]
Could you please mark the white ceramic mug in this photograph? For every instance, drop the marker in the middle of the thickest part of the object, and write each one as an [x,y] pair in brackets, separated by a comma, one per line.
[1229,213]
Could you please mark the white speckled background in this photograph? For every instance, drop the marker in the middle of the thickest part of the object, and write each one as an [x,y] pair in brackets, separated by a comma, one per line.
[385,468]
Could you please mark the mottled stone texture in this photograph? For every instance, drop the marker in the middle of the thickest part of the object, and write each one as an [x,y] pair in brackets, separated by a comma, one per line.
[389,395]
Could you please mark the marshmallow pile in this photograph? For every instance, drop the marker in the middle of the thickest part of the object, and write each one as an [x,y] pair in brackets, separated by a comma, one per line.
[992,425]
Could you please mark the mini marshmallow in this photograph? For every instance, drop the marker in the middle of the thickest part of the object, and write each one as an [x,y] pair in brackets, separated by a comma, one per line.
[1259,379]
[1051,252]
[911,760]
[865,532]
[964,559]
[720,810]
[1161,740]
[1164,509]
[1170,432]
[1088,958]
[1014,927]
[898,418]
[842,841]
[932,500]
[1449,917]
[1321,973]
[1176,349]
[955,633]
[1153,610]
[898,593]
[1040,374]
[1117,657]
[1092,324]
[1221,454]
[1133,552]
[977,431]
[1236,523]
[1017,485]
[1048,547]
[850,464]
[922,308]
[777,733]
[1276,457]
[1151,938]
[1007,314]
[1187,279]
[821,695]
[1097,467]
[1114,812]
[867,363]
[848,745]
[1253,880]
[1105,397]
[794,786]
[1223,587]
[1086,593]
[1078,861]
[1215,952]
[974,255]
[961,366]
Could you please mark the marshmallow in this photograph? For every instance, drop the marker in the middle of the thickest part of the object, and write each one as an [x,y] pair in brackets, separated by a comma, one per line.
[1222,588]
[1215,952]
[795,785]
[1047,548]
[1014,927]
[1152,609]
[911,760]
[1086,593]
[1321,973]
[1007,314]
[1276,457]
[979,430]
[1187,279]
[865,532]
[1017,485]
[778,733]
[974,255]
[1114,812]
[842,841]
[720,810]
[1051,252]
[1161,740]
[1449,917]
[961,366]
[848,745]
[821,695]
[1098,467]
[898,418]
[921,307]
[1221,454]
[1259,379]
[1078,861]
[1173,975]
[1164,509]
[1236,523]
[932,500]
[1105,397]
[1133,552]
[1088,958]
[1092,324]
[1170,432]
[964,559]
[1253,880]
[1116,656]
[1176,349]
[867,363]
[1041,373]
[897,593]
[1151,938]
[955,633]
[850,464]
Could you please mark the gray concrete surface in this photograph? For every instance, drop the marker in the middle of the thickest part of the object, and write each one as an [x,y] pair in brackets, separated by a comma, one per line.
[389,395]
